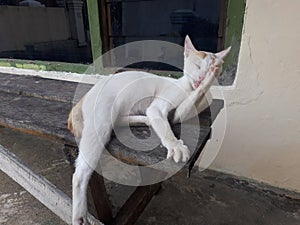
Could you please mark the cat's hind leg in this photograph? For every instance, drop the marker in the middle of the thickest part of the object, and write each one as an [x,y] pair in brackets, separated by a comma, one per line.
[91,146]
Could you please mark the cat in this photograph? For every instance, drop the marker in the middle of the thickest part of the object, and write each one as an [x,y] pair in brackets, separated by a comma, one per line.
[134,98]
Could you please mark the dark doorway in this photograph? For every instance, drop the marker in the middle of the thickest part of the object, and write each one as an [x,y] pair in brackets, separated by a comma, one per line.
[136,20]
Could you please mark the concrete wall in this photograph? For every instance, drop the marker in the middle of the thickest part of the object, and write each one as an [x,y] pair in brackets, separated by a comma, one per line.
[27,25]
[262,138]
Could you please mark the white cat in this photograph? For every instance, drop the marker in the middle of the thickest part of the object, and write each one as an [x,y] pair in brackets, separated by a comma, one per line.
[138,97]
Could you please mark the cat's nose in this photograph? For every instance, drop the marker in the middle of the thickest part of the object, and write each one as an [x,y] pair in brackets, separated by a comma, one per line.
[215,68]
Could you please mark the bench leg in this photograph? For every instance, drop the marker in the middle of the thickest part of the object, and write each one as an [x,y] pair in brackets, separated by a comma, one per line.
[100,199]
[135,205]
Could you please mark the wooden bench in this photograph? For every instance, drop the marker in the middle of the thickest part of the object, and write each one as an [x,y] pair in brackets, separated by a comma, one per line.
[40,106]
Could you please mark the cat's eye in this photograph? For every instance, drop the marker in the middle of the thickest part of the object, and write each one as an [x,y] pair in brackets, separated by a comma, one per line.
[198,67]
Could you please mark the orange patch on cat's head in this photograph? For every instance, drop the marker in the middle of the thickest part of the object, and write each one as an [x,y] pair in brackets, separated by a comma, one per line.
[201,54]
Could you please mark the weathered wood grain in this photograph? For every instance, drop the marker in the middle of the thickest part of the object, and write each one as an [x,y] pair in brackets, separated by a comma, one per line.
[34,86]
[49,119]
[36,115]
[44,191]
[193,137]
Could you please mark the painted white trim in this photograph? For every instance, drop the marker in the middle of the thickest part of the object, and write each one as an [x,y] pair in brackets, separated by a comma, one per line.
[87,78]
[56,75]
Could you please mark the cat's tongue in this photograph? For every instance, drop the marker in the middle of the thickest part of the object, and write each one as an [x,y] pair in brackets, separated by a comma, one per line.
[198,82]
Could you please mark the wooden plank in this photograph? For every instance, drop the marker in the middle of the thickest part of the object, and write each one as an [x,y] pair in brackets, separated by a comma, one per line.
[109,28]
[222,24]
[90,204]
[135,205]
[47,115]
[100,198]
[41,87]
[44,191]
[36,115]
[111,62]
[196,155]
[48,118]
[103,20]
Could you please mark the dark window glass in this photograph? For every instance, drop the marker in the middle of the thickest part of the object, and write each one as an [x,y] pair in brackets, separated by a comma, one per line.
[51,30]
[135,20]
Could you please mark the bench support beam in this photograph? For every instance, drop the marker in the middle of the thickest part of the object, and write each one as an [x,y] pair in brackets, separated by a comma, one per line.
[135,205]
[44,191]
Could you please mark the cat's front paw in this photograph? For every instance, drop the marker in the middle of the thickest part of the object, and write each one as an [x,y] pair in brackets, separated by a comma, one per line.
[179,152]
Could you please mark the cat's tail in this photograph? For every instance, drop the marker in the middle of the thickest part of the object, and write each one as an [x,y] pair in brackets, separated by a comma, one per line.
[75,120]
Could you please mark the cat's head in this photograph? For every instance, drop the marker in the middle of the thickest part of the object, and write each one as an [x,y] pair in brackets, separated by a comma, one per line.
[199,64]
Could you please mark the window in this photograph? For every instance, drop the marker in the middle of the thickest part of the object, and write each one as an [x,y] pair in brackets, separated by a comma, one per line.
[62,31]
[135,20]
[206,22]
[51,30]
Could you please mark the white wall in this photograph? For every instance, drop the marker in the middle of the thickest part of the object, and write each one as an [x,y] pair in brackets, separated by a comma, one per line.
[262,138]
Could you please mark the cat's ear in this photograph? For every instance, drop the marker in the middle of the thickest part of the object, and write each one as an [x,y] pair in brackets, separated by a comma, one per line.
[223,53]
[188,46]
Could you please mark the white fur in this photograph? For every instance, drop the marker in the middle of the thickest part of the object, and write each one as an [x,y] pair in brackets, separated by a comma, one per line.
[116,100]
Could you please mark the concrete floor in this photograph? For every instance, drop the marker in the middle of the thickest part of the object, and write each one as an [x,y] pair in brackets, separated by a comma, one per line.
[207,198]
